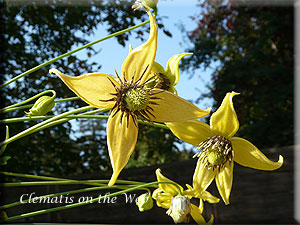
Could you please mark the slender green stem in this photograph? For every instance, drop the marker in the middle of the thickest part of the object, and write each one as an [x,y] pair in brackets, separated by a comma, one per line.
[35,127]
[85,203]
[68,182]
[95,183]
[29,99]
[10,109]
[71,52]
[22,119]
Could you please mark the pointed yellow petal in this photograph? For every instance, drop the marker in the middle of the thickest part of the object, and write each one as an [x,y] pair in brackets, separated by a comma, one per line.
[121,139]
[91,87]
[205,195]
[162,199]
[167,187]
[192,132]
[172,67]
[158,68]
[173,90]
[130,48]
[139,61]
[201,206]
[202,177]
[224,120]
[196,214]
[211,220]
[172,108]
[246,154]
[224,181]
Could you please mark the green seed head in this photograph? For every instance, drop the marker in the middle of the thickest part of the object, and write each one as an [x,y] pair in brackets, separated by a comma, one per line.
[136,99]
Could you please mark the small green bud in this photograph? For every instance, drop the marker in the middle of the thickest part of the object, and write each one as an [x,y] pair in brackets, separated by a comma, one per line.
[180,209]
[43,105]
[146,4]
[144,202]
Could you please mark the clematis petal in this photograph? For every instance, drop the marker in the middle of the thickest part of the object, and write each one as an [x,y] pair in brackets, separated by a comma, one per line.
[192,132]
[246,154]
[201,205]
[158,68]
[173,90]
[224,120]
[197,214]
[172,108]
[164,204]
[139,61]
[202,177]
[91,87]
[121,139]
[224,181]
[205,195]
[172,67]
[167,187]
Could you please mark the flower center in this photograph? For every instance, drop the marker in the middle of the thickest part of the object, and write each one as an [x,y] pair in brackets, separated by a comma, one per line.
[215,157]
[216,152]
[159,81]
[136,99]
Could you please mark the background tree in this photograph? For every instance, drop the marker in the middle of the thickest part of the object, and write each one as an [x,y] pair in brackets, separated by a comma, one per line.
[33,34]
[252,46]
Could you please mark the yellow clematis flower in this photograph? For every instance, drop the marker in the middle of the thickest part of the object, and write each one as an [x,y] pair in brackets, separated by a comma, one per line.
[167,78]
[220,148]
[179,206]
[129,100]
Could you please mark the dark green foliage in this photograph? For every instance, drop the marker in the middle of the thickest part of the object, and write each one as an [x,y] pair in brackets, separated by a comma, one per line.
[253,46]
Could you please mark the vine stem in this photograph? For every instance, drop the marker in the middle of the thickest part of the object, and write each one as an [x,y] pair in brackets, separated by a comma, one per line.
[29,99]
[11,108]
[44,123]
[71,52]
[22,119]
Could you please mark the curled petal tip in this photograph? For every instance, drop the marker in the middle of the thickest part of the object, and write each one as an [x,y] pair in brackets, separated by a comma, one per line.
[280,160]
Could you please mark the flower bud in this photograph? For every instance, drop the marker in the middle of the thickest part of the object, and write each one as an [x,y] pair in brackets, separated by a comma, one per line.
[180,209]
[146,4]
[144,202]
[43,105]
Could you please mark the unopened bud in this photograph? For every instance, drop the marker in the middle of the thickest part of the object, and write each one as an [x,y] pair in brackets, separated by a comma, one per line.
[43,105]
[146,4]
[180,209]
[144,202]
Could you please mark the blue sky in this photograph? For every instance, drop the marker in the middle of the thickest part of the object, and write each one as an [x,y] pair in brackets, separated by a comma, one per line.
[174,13]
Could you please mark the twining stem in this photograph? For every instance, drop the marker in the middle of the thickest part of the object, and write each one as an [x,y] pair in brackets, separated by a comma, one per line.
[30,99]
[65,182]
[71,52]
[35,127]
[10,108]
[22,119]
